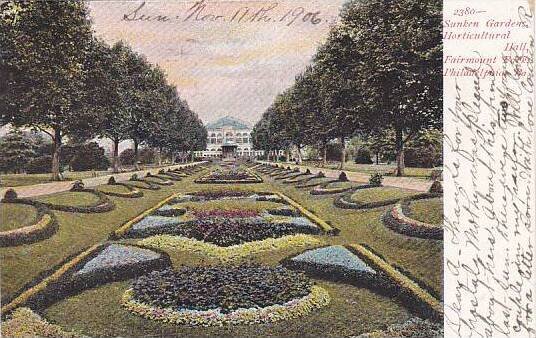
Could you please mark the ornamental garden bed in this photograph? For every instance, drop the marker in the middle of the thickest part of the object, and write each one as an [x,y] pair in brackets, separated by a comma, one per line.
[25,221]
[143,183]
[373,196]
[229,176]
[97,265]
[118,189]
[238,295]
[315,181]
[79,200]
[401,219]
[336,187]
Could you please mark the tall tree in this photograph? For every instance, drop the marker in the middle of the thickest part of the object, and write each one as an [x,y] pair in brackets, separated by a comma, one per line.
[395,64]
[44,45]
[16,150]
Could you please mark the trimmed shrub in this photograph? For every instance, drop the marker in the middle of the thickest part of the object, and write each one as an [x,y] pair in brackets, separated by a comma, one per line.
[436,188]
[376,179]
[111,180]
[10,195]
[134,177]
[343,177]
[78,186]
[320,175]
[308,171]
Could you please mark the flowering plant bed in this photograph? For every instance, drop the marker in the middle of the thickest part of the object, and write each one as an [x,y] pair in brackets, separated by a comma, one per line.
[103,204]
[223,231]
[339,264]
[145,184]
[229,176]
[133,192]
[328,188]
[23,322]
[224,295]
[230,253]
[346,201]
[44,226]
[398,218]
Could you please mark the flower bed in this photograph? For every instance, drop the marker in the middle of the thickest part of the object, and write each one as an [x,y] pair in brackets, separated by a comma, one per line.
[148,184]
[327,189]
[229,176]
[413,328]
[156,179]
[398,219]
[229,253]
[224,295]
[64,280]
[23,322]
[220,231]
[132,191]
[408,291]
[347,202]
[44,226]
[339,264]
[104,204]
[315,181]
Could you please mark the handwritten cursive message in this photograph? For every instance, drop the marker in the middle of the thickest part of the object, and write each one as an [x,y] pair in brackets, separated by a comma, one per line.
[240,13]
[489,166]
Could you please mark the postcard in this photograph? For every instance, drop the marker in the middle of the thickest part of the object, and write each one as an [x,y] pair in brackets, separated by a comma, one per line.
[290,168]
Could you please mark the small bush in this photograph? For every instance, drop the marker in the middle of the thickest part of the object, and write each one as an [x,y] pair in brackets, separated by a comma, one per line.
[149,174]
[376,179]
[78,186]
[134,177]
[436,188]
[111,180]
[10,195]
[343,177]
[363,156]
[320,174]
[308,172]
[161,171]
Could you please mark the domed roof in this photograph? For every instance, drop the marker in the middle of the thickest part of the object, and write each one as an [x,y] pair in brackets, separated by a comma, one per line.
[228,121]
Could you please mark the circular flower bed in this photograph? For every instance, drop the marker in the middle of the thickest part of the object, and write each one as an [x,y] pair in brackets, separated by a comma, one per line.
[224,295]
[226,176]
[399,219]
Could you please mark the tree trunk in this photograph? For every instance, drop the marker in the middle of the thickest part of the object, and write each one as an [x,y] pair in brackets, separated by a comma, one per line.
[136,155]
[343,153]
[268,157]
[115,159]
[160,156]
[325,155]
[400,165]
[300,159]
[56,176]
[377,158]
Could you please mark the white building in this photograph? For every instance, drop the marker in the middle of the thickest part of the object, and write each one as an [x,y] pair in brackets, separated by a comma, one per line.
[229,137]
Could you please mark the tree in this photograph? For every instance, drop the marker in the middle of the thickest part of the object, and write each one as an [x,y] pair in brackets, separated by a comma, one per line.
[127,157]
[89,156]
[44,47]
[16,150]
[395,63]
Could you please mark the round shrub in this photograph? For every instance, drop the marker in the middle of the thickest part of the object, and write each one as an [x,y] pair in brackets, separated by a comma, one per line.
[320,174]
[10,195]
[149,174]
[78,186]
[436,188]
[308,171]
[111,180]
[161,171]
[376,179]
[134,177]
[219,287]
[343,177]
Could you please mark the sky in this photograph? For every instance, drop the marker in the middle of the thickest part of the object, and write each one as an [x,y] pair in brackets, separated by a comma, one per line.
[225,57]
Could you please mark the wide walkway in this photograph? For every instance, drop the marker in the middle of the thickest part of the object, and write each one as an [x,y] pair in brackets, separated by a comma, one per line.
[54,187]
[412,183]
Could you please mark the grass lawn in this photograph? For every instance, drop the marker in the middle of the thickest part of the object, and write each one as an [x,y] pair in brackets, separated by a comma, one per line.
[78,199]
[427,210]
[18,180]
[119,189]
[381,194]
[343,185]
[385,169]
[13,216]
[352,311]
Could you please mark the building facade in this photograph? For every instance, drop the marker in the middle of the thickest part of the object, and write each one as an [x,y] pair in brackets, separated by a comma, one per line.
[229,137]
